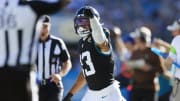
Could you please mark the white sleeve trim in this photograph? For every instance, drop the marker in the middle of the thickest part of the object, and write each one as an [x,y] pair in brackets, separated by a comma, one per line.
[107,53]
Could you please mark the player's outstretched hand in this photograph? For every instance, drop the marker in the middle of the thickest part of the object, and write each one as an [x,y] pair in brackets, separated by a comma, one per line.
[68,97]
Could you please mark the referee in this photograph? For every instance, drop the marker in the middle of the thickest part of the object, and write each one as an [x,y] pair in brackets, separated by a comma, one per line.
[52,55]
[18,46]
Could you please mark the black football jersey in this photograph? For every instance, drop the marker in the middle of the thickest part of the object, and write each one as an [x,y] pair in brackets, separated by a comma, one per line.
[97,67]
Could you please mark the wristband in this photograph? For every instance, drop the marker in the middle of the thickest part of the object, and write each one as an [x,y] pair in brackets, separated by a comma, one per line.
[69,94]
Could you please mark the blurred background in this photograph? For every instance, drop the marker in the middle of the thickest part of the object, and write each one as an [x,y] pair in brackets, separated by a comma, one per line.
[126,14]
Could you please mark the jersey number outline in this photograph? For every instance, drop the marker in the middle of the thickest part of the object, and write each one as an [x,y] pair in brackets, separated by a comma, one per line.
[85,59]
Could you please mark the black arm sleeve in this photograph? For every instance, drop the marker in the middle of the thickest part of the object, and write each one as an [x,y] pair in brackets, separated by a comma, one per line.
[41,7]
[64,56]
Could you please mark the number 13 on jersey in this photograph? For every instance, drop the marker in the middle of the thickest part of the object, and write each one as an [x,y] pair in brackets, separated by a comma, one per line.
[86,62]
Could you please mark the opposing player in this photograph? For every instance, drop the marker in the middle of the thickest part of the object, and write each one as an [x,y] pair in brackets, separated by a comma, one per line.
[96,59]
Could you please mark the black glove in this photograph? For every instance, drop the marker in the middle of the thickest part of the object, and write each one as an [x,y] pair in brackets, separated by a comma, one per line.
[89,13]
[68,97]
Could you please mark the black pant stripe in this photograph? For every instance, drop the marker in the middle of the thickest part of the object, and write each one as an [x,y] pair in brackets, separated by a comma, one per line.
[19,45]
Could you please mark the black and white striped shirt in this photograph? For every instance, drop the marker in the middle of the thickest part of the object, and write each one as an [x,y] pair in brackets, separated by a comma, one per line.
[51,54]
[18,20]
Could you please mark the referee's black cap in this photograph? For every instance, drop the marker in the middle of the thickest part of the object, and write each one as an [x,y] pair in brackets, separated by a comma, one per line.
[46,19]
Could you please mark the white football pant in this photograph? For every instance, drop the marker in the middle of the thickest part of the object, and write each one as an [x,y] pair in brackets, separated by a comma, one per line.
[110,93]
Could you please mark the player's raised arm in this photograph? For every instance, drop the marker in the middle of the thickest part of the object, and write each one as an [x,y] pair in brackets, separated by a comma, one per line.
[80,83]
[99,35]
[97,30]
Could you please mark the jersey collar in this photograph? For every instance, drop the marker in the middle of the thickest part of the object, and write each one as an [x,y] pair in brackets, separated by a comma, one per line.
[47,39]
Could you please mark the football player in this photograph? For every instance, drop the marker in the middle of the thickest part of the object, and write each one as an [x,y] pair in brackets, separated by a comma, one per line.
[96,59]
